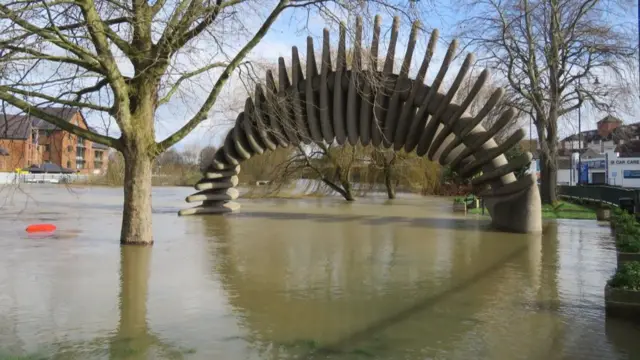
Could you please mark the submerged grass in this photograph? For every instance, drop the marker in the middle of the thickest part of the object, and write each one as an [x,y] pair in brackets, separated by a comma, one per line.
[559,210]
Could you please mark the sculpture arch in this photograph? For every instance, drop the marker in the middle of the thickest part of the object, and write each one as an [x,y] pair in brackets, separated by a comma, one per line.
[383,109]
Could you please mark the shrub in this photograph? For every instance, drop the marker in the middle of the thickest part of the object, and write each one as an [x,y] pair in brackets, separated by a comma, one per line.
[627,277]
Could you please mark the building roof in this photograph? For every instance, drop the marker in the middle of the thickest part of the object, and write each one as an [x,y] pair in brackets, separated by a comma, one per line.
[65,113]
[18,126]
[623,132]
[610,118]
[14,127]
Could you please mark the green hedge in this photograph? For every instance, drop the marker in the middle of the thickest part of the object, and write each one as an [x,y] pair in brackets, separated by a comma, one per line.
[627,277]
[627,231]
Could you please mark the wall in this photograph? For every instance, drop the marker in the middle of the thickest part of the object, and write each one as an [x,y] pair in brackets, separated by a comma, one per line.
[623,171]
[64,146]
[18,154]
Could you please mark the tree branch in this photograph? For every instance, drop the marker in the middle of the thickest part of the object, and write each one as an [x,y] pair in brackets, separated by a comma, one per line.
[187,76]
[222,80]
[59,122]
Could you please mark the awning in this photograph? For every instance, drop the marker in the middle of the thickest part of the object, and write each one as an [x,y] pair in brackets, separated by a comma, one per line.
[49,168]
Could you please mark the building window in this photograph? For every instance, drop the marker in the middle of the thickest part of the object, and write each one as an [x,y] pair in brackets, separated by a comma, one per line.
[80,165]
[97,159]
[79,153]
[47,147]
[596,141]
[69,164]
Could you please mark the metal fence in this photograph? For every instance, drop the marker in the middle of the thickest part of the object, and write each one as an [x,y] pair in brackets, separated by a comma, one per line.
[599,193]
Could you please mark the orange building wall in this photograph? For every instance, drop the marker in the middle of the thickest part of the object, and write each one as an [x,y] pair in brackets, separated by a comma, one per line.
[22,154]
[63,149]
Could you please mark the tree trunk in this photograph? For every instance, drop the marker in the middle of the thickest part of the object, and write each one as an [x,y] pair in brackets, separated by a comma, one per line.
[136,214]
[388,183]
[548,178]
[348,191]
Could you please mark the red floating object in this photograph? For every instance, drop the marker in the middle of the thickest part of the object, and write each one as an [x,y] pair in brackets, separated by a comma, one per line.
[36,228]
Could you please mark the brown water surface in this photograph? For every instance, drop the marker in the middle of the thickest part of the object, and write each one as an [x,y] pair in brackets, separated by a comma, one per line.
[299,279]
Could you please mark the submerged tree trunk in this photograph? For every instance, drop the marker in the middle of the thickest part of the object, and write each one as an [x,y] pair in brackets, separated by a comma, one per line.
[388,177]
[136,214]
[344,189]
[391,188]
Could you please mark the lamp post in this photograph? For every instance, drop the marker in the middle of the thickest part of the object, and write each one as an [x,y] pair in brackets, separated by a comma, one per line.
[596,82]
[579,143]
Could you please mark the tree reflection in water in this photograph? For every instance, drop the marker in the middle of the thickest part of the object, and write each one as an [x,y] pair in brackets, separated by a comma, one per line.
[132,340]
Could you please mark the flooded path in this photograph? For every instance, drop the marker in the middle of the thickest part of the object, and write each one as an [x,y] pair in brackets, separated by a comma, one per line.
[300,279]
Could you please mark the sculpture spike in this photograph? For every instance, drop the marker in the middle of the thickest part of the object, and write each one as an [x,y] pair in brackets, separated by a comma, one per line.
[475,165]
[393,110]
[409,107]
[325,100]
[298,109]
[339,124]
[250,130]
[357,46]
[432,125]
[284,104]
[373,61]
[240,142]
[448,126]
[272,110]
[353,103]
[420,118]
[260,121]
[482,138]
[310,95]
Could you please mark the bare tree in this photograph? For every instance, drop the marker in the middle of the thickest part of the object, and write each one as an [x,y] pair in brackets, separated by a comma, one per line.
[124,59]
[553,55]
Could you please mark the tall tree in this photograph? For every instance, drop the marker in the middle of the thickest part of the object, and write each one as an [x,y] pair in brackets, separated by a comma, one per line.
[125,58]
[554,56]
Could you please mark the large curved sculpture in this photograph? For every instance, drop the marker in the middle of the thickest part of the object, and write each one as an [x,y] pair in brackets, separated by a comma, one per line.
[377,108]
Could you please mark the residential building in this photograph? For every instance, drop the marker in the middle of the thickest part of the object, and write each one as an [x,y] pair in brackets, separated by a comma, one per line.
[33,141]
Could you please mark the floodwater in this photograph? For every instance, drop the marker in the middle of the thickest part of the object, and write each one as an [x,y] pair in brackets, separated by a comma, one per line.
[299,279]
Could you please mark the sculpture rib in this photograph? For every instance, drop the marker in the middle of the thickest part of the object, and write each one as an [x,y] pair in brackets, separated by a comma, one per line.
[381,108]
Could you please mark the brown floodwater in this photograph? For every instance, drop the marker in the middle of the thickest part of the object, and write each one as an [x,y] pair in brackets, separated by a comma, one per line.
[299,279]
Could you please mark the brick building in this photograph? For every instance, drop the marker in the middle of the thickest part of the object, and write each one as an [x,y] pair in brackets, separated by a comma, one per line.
[30,141]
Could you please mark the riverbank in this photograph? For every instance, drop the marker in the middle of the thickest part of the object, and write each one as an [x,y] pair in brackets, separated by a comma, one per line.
[560,210]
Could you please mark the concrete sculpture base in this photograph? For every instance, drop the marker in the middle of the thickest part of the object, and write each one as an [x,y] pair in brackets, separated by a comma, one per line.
[376,107]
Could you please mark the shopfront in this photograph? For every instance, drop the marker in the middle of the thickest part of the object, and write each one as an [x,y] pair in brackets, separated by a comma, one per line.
[623,171]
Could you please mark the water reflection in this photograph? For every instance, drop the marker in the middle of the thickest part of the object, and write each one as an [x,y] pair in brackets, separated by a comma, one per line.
[351,289]
[304,279]
[133,339]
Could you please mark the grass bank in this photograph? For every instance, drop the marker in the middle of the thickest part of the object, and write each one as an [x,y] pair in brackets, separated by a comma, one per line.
[559,210]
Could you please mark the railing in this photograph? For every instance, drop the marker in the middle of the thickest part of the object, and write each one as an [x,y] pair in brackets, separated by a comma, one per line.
[14,178]
[599,193]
